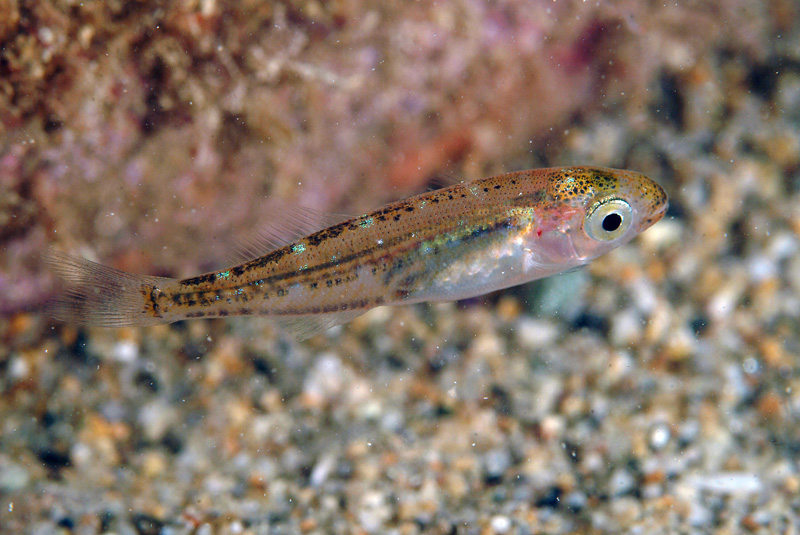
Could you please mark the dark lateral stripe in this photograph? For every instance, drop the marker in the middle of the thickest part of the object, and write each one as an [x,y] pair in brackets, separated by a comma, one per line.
[394,269]
[391,248]
[465,232]
[361,304]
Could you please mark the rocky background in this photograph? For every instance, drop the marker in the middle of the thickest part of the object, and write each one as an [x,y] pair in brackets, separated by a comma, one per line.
[655,391]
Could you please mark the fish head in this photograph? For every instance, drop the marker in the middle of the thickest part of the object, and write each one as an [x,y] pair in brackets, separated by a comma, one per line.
[596,209]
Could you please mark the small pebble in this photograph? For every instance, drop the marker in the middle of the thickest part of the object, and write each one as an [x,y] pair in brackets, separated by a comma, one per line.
[621,482]
[125,351]
[18,368]
[728,483]
[495,464]
[533,333]
[13,477]
[659,436]
[500,524]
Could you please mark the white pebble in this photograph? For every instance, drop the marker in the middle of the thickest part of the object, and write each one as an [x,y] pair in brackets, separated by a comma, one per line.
[326,379]
[626,328]
[501,524]
[125,351]
[644,295]
[761,268]
[534,334]
[728,483]
[699,516]
[782,246]
[666,233]
[13,477]
[322,470]
[18,369]
[374,512]
[621,483]
[659,436]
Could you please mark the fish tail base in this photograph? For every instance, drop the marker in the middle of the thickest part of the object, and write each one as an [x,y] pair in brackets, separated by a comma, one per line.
[94,294]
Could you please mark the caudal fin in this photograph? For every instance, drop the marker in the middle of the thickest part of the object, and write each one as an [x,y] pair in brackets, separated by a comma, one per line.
[94,294]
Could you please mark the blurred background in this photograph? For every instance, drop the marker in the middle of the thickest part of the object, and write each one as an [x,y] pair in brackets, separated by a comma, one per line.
[655,391]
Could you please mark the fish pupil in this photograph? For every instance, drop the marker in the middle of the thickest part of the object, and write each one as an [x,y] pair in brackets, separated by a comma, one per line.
[612,222]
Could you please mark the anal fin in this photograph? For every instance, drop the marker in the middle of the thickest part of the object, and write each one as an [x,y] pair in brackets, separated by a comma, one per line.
[303,327]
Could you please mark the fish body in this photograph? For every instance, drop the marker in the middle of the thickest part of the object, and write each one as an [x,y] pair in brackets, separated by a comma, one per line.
[452,243]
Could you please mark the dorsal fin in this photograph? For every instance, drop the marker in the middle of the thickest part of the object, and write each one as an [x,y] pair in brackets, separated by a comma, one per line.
[287,224]
[443,180]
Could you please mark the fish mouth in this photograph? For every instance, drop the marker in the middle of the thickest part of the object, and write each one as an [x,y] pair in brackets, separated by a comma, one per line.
[662,210]
[658,206]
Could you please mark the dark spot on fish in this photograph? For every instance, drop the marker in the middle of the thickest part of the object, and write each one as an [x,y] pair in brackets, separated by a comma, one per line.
[155,293]
[200,279]
[326,234]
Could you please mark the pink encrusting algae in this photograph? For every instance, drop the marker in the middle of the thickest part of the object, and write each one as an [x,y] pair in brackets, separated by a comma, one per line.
[453,243]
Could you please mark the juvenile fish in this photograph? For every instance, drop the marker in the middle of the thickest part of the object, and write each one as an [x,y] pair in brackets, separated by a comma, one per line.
[453,243]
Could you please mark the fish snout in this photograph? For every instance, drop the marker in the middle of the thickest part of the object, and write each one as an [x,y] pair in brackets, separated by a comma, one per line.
[654,204]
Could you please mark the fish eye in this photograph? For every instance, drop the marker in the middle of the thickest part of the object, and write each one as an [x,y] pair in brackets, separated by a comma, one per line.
[608,219]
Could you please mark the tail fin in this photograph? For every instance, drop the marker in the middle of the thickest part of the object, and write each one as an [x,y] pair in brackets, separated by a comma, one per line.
[99,295]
